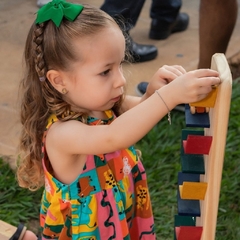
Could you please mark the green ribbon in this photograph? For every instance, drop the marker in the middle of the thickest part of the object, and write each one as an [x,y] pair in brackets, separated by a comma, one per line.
[56,10]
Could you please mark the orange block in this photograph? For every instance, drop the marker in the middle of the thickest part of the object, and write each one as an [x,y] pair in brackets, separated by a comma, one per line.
[193,190]
[209,101]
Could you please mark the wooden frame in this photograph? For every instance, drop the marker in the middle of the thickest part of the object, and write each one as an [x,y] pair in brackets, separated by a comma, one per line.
[214,161]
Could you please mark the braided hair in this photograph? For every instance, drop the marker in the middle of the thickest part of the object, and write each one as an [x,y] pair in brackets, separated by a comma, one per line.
[45,45]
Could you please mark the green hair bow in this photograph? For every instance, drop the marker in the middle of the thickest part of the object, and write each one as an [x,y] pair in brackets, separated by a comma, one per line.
[56,10]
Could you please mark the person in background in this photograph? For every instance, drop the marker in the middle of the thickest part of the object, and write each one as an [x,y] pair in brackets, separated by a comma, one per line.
[166,19]
[215,32]
[165,15]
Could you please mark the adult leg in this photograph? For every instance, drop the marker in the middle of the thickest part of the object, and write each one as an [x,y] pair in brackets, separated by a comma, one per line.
[216,23]
[166,18]
[130,11]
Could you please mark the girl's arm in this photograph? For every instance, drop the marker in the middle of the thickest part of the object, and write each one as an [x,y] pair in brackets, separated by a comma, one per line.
[132,125]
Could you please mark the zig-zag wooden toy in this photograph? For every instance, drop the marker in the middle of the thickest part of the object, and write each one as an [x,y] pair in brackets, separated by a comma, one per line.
[202,157]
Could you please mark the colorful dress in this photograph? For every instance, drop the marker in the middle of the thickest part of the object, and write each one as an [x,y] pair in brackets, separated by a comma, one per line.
[108,200]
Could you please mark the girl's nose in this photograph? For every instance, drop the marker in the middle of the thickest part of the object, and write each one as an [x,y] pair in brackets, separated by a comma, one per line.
[120,80]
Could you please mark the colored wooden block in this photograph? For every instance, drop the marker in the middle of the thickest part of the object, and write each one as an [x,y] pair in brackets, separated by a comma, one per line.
[187,177]
[7,230]
[193,190]
[197,119]
[192,163]
[183,221]
[188,232]
[188,207]
[209,101]
[200,109]
[186,132]
[197,144]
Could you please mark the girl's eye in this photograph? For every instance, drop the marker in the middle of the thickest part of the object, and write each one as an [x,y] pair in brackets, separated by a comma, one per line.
[105,72]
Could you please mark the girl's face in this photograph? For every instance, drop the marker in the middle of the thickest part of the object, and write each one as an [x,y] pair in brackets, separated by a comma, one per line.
[95,82]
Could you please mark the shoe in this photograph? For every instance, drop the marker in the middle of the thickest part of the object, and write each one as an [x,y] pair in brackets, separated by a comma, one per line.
[41,3]
[141,89]
[162,30]
[141,52]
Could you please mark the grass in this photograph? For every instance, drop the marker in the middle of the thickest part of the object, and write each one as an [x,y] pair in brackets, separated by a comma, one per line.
[161,157]
[16,204]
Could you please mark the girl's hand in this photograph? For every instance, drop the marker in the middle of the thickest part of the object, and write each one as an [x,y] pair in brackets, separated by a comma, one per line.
[163,76]
[191,87]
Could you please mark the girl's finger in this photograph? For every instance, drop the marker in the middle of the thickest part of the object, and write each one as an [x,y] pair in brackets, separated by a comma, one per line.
[176,69]
[209,81]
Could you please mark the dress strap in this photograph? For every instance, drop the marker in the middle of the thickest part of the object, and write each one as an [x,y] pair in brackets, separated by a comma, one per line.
[52,119]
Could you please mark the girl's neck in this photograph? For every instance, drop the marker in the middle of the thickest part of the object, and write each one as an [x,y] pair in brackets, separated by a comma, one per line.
[98,114]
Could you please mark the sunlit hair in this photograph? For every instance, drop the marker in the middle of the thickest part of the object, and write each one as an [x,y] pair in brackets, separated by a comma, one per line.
[48,47]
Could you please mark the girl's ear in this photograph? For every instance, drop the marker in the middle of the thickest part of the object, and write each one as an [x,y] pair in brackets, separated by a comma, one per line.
[56,79]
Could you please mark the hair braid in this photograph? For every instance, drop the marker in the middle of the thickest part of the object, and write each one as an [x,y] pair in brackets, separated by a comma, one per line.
[40,65]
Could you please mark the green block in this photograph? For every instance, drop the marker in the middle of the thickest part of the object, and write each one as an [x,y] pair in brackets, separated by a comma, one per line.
[183,221]
[192,163]
[186,132]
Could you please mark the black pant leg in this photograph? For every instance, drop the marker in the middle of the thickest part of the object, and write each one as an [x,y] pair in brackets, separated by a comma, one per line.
[165,10]
[129,9]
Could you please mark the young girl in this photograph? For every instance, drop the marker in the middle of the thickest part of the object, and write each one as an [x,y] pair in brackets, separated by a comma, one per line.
[79,128]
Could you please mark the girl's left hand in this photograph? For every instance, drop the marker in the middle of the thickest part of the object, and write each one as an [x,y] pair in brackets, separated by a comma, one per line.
[162,77]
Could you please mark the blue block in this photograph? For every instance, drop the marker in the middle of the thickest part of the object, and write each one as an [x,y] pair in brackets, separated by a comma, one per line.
[197,119]
[188,207]
[188,177]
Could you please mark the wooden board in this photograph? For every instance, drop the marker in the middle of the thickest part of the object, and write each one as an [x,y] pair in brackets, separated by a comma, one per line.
[219,116]
[7,230]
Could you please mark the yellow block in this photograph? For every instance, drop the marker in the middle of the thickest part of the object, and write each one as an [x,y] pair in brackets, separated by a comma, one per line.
[193,190]
[209,101]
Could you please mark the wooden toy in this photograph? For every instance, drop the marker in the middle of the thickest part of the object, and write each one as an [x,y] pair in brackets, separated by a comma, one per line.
[191,163]
[215,124]
[214,161]
[188,207]
[193,190]
[196,120]
[7,231]
[188,233]
[197,144]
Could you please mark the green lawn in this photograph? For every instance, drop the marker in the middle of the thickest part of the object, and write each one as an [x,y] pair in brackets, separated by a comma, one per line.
[161,157]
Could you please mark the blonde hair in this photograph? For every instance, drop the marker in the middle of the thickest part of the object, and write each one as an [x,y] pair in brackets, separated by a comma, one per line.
[46,44]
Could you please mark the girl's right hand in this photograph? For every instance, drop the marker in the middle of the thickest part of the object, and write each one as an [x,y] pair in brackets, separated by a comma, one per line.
[190,87]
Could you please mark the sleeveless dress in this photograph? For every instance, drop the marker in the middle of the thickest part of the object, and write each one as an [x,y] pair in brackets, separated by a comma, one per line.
[108,200]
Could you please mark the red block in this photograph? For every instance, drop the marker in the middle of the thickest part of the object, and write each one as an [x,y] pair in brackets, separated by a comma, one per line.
[188,233]
[196,144]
